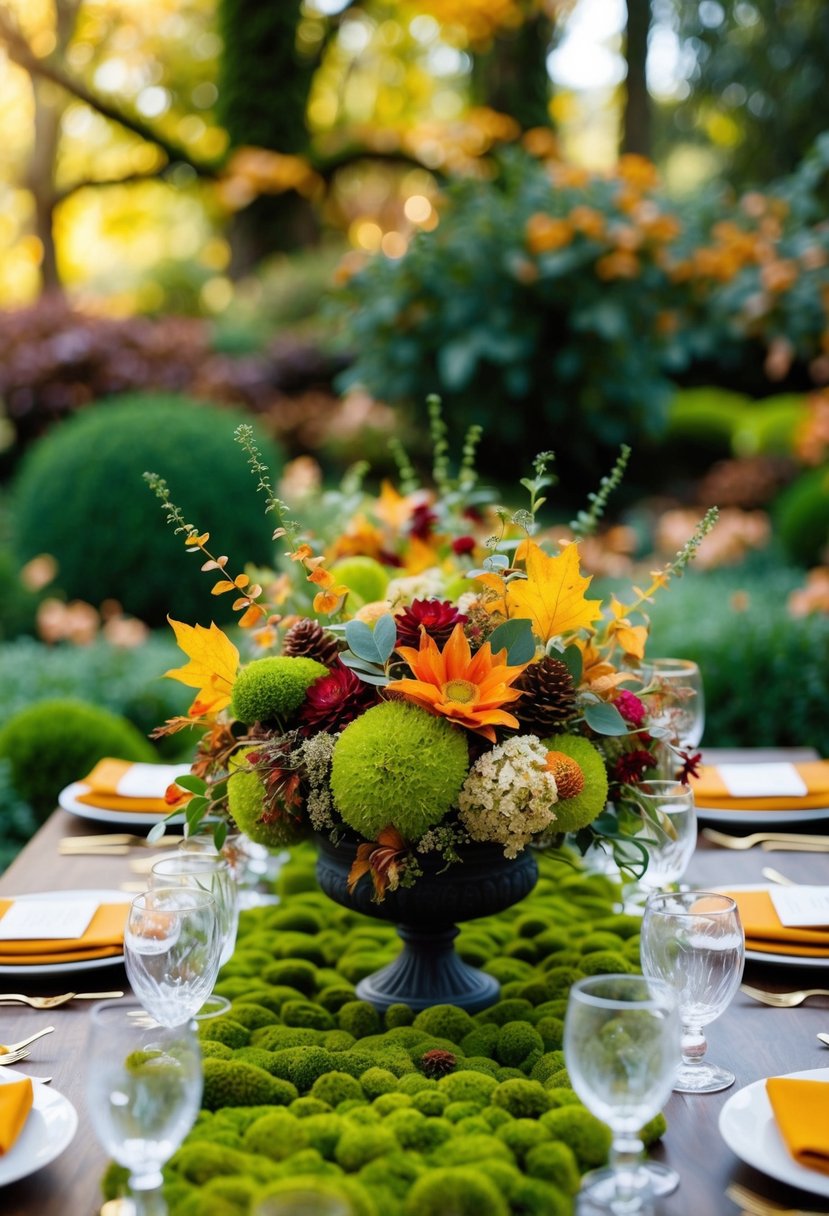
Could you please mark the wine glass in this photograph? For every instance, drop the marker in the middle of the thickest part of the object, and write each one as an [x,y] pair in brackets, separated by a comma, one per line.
[660,816]
[172,947]
[621,1049]
[207,873]
[144,1087]
[693,941]
[676,702]
[250,863]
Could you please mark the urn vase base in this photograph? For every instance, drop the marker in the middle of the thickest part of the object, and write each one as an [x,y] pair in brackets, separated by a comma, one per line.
[428,972]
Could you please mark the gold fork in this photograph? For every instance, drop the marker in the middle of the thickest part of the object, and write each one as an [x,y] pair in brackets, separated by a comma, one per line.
[13,1057]
[52,1002]
[7,1049]
[748,842]
[782,1000]
[756,1205]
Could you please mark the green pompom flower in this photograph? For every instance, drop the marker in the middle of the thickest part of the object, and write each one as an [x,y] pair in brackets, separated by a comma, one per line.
[273,688]
[399,766]
[578,810]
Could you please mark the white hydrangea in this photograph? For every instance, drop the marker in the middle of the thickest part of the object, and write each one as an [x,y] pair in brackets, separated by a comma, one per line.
[509,795]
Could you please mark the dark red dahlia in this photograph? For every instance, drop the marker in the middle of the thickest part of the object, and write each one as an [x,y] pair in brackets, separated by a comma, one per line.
[437,1063]
[334,700]
[438,618]
[463,544]
[423,522]
[630,767]
[631,708]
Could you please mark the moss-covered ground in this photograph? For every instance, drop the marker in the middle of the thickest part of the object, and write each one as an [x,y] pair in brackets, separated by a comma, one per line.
[308,1088]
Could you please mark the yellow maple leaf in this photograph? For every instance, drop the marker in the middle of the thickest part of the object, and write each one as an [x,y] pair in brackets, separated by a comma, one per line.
[552,595]
[214,661]
[392,508]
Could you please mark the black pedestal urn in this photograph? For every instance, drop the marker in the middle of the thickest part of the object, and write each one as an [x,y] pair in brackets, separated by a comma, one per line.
[428,971]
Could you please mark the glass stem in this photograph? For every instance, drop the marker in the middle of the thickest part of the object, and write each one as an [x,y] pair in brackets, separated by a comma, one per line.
[146,1195]
[625,1157]
[693,1046]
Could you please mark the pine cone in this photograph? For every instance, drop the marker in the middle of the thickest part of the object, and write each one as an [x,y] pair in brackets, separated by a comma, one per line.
[549,696]
[308,640]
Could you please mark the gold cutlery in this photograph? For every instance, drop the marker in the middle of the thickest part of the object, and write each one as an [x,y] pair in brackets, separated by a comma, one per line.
[8,1049]
[115,839]
[97,850]
[775,876]
[756,1205]
[782,1000]
[52,1002]
[13,1057]
[790,846]
[748,842]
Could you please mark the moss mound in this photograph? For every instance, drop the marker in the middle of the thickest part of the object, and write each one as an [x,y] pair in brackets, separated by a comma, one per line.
[397,764]
[52,743]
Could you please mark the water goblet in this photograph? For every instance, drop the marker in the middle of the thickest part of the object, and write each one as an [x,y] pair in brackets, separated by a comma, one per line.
[660,816]
[144,1088]
[250,863]
[172,947]
[211,873]
[621,1049]
[694,942]
[676,702]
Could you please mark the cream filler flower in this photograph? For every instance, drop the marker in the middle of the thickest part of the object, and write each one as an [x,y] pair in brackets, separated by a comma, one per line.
[509,794]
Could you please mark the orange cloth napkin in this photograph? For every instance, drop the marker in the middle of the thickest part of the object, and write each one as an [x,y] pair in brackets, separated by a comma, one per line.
[103,938]
[801,1109]
[15,1103]
[120,785]
[765,933]
[710,791]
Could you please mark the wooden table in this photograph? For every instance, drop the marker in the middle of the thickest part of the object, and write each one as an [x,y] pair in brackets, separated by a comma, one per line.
[752,1039]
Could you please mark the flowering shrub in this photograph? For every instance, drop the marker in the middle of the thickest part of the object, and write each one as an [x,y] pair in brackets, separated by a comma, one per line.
[506,721]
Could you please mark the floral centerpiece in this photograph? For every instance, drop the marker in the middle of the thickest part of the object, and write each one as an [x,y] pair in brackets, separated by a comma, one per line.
[430,675]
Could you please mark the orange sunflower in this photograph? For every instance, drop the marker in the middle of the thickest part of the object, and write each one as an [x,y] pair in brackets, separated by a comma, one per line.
[451,683]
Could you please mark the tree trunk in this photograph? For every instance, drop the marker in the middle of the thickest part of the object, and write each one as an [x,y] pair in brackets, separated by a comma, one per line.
[41,177]
[636,136]
[512,75]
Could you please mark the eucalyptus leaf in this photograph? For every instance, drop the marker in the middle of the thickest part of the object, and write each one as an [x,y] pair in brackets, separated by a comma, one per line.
[385,635]
[572,659]
[359,665]
[496,561]
[378,678]
[605,719]
[361,641]
[516,637]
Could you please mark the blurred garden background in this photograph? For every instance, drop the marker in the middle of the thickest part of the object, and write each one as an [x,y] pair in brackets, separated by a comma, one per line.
[582,223]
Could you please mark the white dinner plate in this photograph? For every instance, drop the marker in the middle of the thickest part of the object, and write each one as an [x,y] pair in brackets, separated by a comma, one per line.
[68,799]
[48,1130]
[747,1126]
[91,964]
[762,956]
[758,820]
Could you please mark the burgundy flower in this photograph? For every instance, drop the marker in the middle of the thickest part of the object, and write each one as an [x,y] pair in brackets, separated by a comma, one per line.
[690,766]
[463,544]
[437,1063]
[438,618]
[334,700]
[633,710]
[423,522]
[631,767]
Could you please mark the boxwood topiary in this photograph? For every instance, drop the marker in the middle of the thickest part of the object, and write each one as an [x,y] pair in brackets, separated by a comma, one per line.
[80,496]
[52,743]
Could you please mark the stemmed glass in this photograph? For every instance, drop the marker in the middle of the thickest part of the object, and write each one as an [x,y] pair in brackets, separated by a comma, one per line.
[250,863]
[661,817]
[694,942]
[207,873]
[172,947]
[621,1048]
[676,702]
[144,1088]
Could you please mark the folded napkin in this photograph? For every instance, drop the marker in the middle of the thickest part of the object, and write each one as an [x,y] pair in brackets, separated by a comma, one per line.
[16,1099]
[764,931]
[710,791]
[119,785]
[801,1110]
[104,938]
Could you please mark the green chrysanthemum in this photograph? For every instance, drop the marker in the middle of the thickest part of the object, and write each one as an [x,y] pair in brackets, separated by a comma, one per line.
[273,688]
[582,808]
[397,765]
[246,803]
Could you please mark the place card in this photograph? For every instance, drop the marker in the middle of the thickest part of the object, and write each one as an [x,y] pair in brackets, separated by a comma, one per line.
[47,919]
[801,907]
[762,780]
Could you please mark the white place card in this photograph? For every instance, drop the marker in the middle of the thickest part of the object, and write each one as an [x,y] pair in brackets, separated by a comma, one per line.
[801,907]
[47,919]
[762,780]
